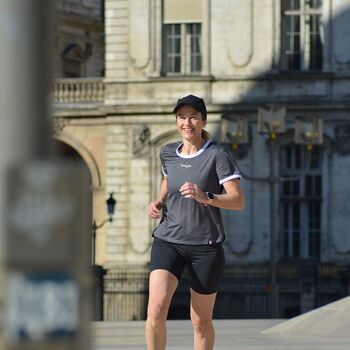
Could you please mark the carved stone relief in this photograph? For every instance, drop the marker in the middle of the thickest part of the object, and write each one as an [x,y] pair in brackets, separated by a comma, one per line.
[240,33]
[58,124]
[140,45]
[141,137]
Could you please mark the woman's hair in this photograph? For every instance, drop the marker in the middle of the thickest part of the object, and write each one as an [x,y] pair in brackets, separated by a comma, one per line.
[205,135]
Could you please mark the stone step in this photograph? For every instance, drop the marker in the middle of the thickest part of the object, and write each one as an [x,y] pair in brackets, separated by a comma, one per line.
[330,320]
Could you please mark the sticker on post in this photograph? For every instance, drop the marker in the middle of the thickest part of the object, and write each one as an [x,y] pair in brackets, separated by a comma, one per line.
[41,307]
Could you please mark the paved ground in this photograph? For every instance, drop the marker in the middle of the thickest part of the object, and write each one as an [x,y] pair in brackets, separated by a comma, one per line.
[230,335]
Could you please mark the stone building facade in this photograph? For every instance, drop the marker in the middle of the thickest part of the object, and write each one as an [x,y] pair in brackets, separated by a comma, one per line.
[289,250]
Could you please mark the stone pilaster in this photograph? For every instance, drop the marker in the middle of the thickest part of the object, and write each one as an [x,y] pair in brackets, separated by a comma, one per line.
[116,29]
[117,181]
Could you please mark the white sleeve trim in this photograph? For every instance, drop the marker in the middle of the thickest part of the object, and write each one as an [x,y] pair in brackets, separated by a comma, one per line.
[235,176]
[164,173]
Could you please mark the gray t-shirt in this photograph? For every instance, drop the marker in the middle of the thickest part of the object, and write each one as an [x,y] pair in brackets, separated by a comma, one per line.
[186,221]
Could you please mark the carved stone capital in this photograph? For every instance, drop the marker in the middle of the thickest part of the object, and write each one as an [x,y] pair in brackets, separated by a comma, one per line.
[58,124]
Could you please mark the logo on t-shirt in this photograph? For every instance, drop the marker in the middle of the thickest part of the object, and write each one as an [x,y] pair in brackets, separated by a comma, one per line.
[186,166]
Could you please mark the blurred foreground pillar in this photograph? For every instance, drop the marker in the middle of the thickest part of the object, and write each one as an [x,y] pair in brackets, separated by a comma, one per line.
[45,219]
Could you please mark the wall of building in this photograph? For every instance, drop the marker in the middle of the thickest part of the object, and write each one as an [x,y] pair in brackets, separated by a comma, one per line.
[241,72]
[243,46]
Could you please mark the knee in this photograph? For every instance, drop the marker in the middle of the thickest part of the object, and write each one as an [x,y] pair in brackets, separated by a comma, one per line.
[156,313]
[201,325]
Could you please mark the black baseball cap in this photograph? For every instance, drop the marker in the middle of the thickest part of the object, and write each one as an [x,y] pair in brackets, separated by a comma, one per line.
[196,102]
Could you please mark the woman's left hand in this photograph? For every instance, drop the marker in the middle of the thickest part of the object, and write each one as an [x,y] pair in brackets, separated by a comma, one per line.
[191,190]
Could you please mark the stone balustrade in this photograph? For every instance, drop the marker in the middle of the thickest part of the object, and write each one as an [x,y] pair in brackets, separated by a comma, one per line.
[78,90]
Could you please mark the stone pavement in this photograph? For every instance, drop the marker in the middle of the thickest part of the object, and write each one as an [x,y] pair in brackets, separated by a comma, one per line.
[230,335]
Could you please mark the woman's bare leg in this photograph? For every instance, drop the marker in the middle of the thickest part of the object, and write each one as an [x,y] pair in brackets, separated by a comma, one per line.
[162,285]
[202,306]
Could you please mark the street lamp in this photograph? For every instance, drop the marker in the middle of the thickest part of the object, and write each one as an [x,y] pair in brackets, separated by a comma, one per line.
[234,130]
[98,271]
[111,203]
[272,121]
[308,131]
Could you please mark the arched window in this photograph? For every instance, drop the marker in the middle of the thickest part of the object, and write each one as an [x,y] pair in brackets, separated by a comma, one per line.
[301,201]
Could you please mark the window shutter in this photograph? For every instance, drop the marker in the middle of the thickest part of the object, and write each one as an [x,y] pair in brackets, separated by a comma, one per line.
[183,11]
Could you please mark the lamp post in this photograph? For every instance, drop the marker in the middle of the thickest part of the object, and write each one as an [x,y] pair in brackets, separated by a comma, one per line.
[272,122]
[98,270]
[111,203]
[308,131]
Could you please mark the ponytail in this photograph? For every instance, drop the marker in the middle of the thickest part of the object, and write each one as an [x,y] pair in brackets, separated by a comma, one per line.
[205,135]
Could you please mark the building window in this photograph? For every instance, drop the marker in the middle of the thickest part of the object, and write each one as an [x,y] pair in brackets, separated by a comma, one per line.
[301,203]
[182,37]
[182,50]
[302,35]
[172,49]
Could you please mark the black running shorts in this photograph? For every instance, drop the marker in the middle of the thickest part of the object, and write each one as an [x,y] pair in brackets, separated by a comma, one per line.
[205,263]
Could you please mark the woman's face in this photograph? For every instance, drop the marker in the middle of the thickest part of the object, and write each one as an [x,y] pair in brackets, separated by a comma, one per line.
[190,123]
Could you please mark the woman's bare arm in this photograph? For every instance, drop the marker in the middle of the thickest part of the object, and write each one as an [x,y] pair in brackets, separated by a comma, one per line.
[233,199]
[155,207]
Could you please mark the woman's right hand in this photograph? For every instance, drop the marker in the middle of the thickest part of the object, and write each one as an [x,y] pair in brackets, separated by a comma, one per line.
[154,209]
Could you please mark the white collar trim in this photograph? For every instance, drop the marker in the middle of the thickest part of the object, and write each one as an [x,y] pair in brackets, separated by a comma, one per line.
[206,144]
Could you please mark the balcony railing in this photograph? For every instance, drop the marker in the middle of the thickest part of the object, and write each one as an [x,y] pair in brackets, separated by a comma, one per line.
[78,90]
